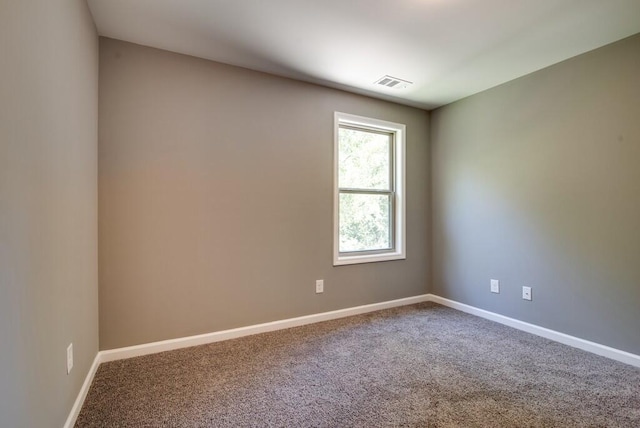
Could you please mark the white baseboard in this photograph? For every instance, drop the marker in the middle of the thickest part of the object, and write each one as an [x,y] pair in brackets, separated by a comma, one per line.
[576,342]
[184,342]
[84,390]
[202,339]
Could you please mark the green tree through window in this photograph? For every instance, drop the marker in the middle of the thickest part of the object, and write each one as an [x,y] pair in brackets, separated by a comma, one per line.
[366,193]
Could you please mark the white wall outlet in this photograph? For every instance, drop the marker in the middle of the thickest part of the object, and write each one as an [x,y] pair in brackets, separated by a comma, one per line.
[320,286]
[69,358]
[495,286]
[526,293]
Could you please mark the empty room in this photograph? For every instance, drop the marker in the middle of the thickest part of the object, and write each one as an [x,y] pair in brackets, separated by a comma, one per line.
[305,213]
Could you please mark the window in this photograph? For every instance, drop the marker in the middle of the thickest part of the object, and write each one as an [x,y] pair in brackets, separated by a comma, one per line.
[369,203]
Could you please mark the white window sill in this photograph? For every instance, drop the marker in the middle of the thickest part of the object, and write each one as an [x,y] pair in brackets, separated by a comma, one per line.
[368,258]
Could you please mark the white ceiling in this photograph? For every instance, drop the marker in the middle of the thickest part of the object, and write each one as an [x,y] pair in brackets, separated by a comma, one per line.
[450,49]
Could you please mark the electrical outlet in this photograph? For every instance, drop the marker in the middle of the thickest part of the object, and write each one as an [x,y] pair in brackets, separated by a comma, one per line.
[526,293]
[495,286]
[320,286]
[69,358]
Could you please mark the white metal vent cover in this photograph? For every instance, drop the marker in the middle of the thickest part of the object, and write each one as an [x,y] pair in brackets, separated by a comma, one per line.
[393,82]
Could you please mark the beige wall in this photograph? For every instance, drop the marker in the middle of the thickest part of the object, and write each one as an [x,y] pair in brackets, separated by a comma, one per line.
[48,207]
[537,183]
[216,198]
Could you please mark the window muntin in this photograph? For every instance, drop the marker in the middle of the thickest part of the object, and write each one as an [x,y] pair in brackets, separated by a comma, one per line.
[369,190]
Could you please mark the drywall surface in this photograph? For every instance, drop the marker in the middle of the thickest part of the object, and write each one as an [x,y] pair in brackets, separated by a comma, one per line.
[215,187]
[537,183]
[48,207]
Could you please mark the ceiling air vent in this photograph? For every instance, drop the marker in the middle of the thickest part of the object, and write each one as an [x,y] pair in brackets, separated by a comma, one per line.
[393,82]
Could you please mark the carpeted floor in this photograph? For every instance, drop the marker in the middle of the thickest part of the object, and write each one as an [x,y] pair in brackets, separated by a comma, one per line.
[416,366]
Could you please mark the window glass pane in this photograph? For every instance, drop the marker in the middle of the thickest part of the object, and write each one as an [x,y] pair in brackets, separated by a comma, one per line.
[365,222]
[363,159]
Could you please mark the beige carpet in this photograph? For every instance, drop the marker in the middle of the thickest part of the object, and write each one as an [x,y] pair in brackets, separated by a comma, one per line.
[416,366]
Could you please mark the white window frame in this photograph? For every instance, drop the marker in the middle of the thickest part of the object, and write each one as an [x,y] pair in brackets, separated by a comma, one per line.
[398,250]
